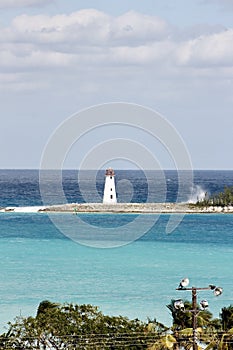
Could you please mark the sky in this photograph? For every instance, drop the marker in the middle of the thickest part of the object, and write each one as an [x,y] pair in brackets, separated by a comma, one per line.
[58,57]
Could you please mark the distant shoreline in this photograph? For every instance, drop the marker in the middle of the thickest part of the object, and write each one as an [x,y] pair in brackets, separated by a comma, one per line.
[137,208]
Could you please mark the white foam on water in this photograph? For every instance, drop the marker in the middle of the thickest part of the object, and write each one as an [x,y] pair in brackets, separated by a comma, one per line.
[33,209]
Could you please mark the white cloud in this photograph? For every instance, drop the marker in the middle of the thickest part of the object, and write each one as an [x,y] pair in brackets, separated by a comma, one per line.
[34,60]
[22,3]
[85,26]
[207,51]
[92,40]
[88,27]
[136,27]
[153,54]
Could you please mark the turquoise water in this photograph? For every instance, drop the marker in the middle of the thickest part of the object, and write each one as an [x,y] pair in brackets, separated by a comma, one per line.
[136,280]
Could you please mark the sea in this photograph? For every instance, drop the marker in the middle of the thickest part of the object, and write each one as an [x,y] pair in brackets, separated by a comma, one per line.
[122,273]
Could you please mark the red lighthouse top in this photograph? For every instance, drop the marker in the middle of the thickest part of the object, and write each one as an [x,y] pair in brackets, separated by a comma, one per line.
[109,172]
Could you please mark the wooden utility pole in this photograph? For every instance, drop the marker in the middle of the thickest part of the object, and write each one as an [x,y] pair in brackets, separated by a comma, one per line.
[183,287]
[194,317]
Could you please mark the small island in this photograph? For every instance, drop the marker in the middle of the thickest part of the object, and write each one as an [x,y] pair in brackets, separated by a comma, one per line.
[138,208]
[217,203]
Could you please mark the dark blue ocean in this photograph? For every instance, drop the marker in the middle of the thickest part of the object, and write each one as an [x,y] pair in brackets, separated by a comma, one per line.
[22,187]
[137,279]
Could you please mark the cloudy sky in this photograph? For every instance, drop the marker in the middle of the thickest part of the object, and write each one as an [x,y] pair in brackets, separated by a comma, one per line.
[60,56]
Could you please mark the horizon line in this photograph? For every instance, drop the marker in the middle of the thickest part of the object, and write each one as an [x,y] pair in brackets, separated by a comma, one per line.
[121,169]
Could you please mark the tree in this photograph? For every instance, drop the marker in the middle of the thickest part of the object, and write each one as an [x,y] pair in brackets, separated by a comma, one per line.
[226,317]
[224,198]
[80,327]
[221,341]
[165,342]
[183,323]
[181,319]
[46,305]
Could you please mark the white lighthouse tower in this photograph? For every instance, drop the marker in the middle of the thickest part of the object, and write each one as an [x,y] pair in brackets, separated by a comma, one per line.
[109,187]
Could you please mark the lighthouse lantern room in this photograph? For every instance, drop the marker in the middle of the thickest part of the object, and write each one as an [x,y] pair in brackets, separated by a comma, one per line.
[109,187]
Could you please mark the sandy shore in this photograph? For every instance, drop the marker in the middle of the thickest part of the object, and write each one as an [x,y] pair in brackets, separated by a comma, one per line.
[174,208]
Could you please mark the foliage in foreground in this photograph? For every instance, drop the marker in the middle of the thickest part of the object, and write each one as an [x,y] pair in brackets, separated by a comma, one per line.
[212,334]
[78,327]
[70,326]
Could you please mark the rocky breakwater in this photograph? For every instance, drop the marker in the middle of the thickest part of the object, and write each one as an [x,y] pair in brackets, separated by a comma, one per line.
[135,208]
[116,208]
[169,208]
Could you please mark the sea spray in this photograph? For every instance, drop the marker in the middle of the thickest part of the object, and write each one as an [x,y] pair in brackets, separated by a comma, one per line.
[198,194]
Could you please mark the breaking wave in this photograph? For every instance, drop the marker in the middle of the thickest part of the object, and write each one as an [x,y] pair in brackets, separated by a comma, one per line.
[198,194]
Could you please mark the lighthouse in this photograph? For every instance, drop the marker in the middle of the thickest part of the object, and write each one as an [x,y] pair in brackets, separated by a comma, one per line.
[109,187]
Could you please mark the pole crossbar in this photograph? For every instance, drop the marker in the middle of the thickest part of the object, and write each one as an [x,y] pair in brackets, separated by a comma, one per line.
[197,288]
